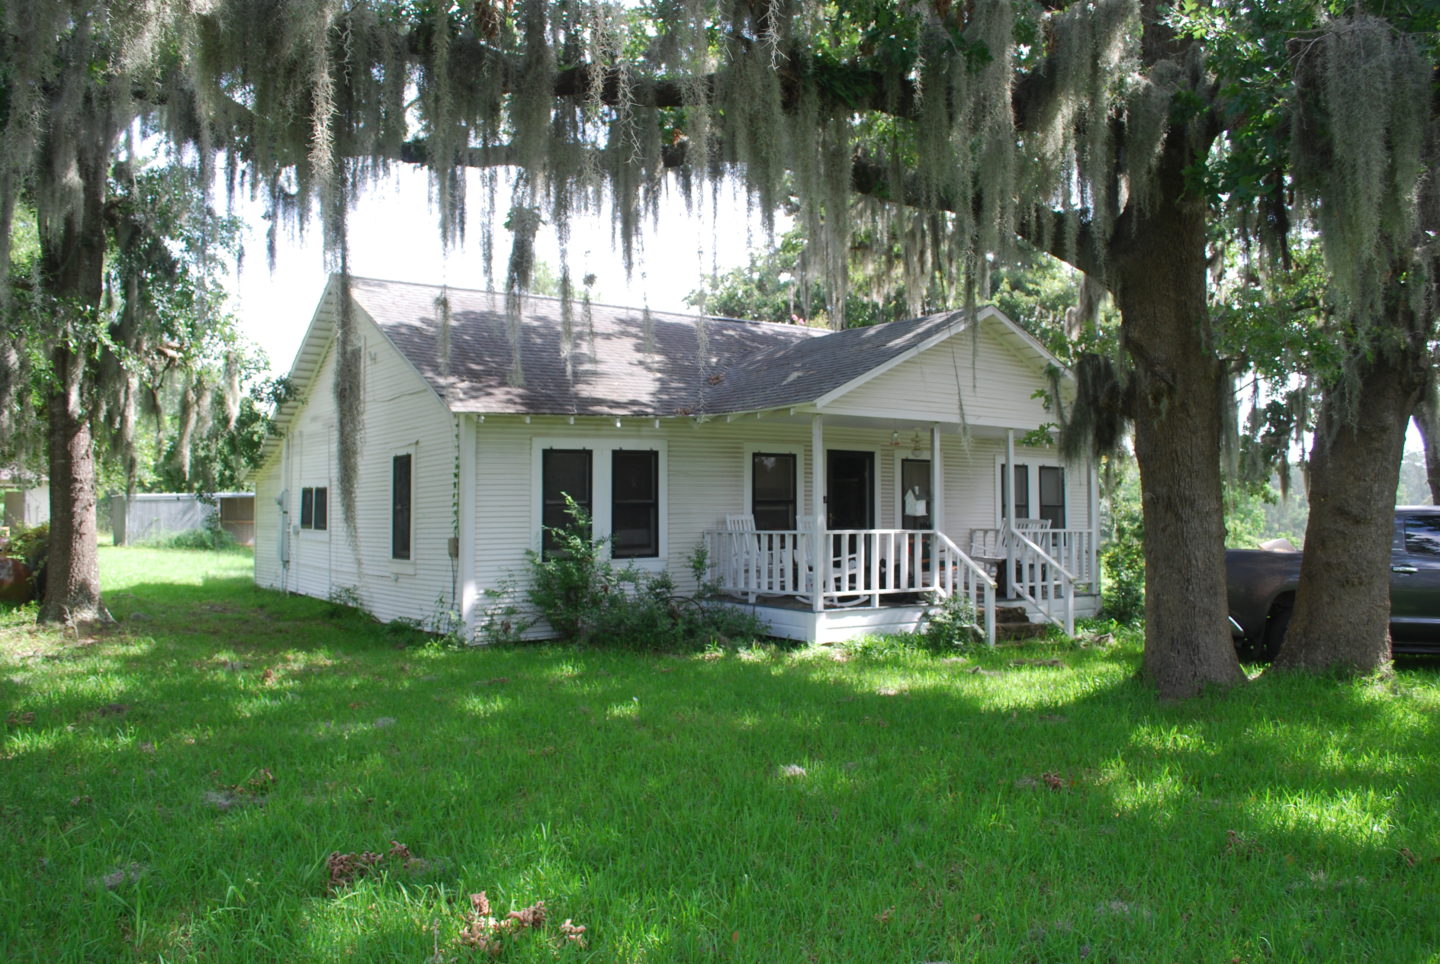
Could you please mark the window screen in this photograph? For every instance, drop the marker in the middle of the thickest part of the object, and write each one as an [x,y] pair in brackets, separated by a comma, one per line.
[314,507]
[1052,495]
[635,504]
[400,500]
[772,490]
[1021,476]
[322,507]
[566,472]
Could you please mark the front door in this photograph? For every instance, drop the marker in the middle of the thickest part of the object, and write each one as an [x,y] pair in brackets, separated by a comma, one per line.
[850,490]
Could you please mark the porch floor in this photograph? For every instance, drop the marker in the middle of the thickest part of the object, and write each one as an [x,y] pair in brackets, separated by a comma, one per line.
[787,617]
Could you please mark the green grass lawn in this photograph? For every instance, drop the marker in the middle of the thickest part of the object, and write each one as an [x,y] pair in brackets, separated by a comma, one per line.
[171,789]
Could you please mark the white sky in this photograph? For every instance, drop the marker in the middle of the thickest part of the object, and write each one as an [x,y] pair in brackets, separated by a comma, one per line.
[394,235]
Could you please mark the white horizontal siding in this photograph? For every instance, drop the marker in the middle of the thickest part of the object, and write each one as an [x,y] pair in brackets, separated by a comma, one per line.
[268,571]
[707,467]
[970,378]
[401,416]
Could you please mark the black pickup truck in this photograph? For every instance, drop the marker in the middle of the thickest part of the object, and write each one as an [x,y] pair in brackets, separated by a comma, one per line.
[1261,588]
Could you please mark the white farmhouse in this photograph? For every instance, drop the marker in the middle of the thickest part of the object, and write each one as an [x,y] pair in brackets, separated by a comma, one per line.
[840,481]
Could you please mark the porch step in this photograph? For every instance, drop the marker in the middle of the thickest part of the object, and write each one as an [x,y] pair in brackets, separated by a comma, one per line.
[1013,622]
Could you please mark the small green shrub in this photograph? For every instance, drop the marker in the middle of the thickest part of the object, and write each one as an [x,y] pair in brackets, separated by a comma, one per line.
[588,600]
[951,624]
[30,546]
[1122,561]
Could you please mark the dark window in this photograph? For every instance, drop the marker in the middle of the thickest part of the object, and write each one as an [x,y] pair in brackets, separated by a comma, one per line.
[1052,495]
[1422,535]
[1022,491]
[400,507]
[635,504]
[565,472]
[772,490]
[314,508]
[915,493]
[322,507]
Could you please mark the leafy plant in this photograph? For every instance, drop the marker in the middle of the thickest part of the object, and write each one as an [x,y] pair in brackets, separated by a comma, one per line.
[951,624]
[29,545]
[1122,562]
[587,599]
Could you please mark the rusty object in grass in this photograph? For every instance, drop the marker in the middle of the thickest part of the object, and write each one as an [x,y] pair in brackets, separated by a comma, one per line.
[16,584]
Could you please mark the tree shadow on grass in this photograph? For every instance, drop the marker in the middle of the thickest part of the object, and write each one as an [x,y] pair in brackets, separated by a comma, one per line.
[749,806]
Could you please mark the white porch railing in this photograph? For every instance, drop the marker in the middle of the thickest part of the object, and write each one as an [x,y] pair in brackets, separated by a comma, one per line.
[1039,578]
[1074,549]
[857,567]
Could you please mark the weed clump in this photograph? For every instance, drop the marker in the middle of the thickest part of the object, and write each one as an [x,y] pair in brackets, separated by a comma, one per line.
[345,869]
[589,600]
[483,931]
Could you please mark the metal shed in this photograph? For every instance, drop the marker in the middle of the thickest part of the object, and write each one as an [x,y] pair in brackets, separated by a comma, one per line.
[151,515]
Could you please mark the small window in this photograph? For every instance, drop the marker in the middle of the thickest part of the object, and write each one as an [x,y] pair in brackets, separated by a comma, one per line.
[635,504]
[1422,535]
[566,472]
[322,507]
[1022,491]
[1052,495]
[772,490]
[400,507]
[314,507]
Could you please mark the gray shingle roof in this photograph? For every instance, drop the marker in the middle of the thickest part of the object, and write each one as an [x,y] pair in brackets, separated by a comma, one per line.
[619,363]
[805,371]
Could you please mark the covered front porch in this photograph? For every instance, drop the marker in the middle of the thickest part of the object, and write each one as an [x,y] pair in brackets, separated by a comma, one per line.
[832,573]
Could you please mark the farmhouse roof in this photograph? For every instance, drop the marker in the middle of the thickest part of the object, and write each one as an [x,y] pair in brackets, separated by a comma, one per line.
[612,361]
[608,360]
[604,361]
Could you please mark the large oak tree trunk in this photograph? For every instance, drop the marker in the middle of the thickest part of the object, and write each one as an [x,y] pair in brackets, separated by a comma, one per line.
[1341,618]
[1159,274]
[72,580]
[73,268]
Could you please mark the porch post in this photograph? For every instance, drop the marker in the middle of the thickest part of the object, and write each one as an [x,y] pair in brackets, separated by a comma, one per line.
[820,558]
[937,482]
[1094,551]
[1008,484]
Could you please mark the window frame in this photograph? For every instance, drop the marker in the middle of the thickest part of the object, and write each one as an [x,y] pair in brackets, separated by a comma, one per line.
[315,508]
[1032,462]
[1041,506]
[408,509]
[601,489]
[651,549]
[559,520]
[801,475]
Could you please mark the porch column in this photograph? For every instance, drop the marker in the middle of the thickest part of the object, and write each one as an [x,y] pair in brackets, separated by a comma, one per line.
[937,482]
[820,558]
[1094,507]
[1008,484]
[467,505]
